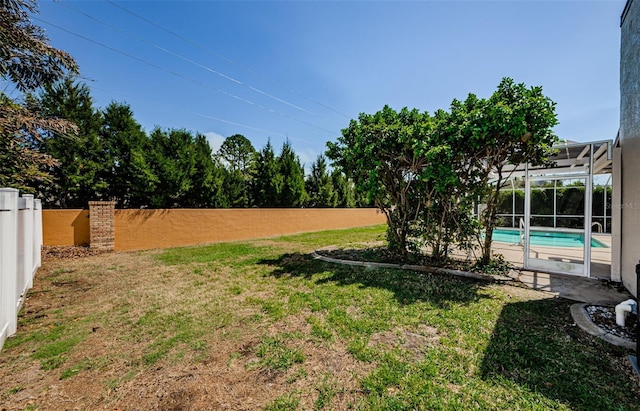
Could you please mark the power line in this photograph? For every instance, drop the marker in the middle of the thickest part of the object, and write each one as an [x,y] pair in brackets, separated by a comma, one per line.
[227,77]
[234,123]
[114,49]
[182,76]
[268,132]
[163,69]
[175,54]
[227,59]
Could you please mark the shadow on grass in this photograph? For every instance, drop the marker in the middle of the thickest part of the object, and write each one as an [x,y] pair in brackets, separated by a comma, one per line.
[408,287]
[536,345]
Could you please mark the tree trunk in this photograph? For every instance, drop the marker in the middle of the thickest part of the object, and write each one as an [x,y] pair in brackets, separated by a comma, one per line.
[489,223]
[486,248]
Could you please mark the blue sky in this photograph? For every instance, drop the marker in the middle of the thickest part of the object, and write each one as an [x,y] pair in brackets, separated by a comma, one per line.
[302,70]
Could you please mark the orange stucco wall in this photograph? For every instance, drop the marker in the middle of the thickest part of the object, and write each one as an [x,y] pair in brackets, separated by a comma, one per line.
[146,229]
[65,227]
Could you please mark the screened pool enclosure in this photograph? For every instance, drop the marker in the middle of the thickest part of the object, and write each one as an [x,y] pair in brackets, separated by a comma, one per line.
[548,212]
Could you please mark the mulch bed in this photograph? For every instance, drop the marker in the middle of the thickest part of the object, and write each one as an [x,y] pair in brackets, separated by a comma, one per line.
[376,253]
[50,253]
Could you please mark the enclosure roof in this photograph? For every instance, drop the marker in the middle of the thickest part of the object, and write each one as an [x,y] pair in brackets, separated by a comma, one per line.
[571,158]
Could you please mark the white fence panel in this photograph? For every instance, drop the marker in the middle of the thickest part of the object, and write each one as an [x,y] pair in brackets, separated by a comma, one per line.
[20,254]
[37,239]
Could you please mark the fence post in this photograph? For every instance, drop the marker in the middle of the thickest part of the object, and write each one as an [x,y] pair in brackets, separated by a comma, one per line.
[27,246]
[37,235]
[8,262]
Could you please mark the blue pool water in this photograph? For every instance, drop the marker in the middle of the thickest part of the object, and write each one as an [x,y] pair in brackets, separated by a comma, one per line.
[546,238]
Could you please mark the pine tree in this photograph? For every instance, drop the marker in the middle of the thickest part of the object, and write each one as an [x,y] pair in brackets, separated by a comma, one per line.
[130,178]
[239,156]
[80,173]
[267,181]
[345,190]
[236,188]
[293,193]
[238,153]
[207,178]
[172,159]
[319,185]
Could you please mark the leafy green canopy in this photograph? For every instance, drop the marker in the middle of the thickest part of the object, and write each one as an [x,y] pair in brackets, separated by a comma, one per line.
[26,58]
[426,173]
[377,152]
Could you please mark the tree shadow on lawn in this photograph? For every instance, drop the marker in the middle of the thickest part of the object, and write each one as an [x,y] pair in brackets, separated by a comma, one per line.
[536,345]
[408,287]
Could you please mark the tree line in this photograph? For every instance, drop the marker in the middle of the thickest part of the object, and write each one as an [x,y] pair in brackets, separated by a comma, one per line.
[57,145]
[108,156]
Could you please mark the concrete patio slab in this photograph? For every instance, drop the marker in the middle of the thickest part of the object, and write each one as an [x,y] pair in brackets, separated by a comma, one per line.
[586,290]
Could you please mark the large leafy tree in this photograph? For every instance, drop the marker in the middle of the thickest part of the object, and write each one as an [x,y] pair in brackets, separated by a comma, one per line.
[377,152]
[427,172]
[513,126]
[448,196]
[27,62]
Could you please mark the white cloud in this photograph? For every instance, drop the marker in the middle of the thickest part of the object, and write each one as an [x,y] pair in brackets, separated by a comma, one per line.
[215,140]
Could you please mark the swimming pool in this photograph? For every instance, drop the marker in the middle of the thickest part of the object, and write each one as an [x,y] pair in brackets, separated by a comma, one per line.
[546,238]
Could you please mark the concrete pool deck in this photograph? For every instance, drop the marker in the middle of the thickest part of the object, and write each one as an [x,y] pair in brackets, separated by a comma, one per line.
[595,290]
[600,257]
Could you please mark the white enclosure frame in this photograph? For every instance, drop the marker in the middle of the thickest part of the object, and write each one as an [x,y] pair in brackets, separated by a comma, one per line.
[561,267]
[572,161]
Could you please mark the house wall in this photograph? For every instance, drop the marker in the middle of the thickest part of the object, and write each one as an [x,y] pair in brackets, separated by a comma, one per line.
[630,143]
[146,229]
[616,215]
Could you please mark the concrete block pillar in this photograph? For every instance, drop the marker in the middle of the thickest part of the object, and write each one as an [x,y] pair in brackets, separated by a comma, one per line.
[102,225]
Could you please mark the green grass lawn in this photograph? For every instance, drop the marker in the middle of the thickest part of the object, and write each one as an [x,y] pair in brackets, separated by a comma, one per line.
[262,325]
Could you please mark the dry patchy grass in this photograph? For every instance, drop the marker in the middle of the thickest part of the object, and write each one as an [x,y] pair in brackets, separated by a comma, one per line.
[261,325]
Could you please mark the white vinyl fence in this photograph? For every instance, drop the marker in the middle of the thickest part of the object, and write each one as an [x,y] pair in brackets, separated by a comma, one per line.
[20,252]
